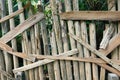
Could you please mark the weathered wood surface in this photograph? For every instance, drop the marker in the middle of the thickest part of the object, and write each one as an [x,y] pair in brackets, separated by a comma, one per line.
[101,55]
[57,29]
[9,76]
[92,34]
[8,49]
[14,13]
[91,15]
[22,27]
[71,28]
[43,62]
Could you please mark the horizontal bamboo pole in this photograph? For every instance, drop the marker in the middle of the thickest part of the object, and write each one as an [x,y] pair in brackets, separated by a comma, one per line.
[101,55]
[91,15]
[92,60]
[14,13]
[22,27]
[43,62]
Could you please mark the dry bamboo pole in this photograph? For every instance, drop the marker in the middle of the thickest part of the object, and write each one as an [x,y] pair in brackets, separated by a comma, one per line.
[39,70]
[4,30]
[71,28]
[8,59]
[13,41]
[31,72]
[86,51]
[54,52]
[45,61]
[46,49]
[24,38]
[65,43]
[92,33]
[96,52]
[5,18]
[56,27]
[30,46]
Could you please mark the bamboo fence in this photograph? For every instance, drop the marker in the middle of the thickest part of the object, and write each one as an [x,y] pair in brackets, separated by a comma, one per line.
[70,51]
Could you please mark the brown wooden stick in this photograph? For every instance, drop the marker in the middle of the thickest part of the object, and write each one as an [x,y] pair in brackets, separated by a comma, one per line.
[8,49]
[101,55]
[91,15]
[22,27]
[14,13]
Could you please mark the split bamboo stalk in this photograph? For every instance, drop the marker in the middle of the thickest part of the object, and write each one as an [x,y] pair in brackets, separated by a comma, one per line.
[45,61]
[86,51]
[54,53]
[65,43]
[13,41]
[24,38]
[92,33]
[71,28]
[99,54]
[46,49]
[4,30]
[107,37]
[56,27]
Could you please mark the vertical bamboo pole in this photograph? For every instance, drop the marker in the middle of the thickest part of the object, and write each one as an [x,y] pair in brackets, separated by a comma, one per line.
[72,41]
[54,52]
[8,57]
[56,27]
[31,72]
[92,33]
[12,26]
[4,30]
[65,43]
[86,52]
[46,49]
[24,38]
[38,71]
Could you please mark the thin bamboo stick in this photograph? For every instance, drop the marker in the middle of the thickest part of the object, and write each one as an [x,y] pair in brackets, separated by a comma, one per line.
[13,41]
[65,43]
[46,49]
[92,33]
[54,52]
[56,27]
[86,51]
[71,28]
[45,61]
[24,38]
[102,56]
